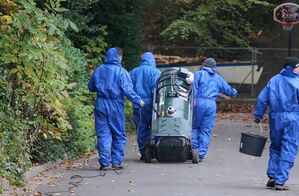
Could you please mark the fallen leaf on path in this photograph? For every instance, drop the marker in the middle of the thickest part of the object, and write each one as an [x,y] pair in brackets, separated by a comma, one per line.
[37,193]
[26,190]
[69,166]
[37,179]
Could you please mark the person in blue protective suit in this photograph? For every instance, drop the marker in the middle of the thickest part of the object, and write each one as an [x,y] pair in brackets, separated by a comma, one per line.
[207,86]
[111,82]
[144,78]
[282,96]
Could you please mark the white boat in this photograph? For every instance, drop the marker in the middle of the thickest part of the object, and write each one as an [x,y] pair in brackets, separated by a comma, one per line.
[237,73]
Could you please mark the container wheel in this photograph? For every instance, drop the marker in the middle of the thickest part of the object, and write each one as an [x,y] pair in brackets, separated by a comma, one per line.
[147,155]
[195,158]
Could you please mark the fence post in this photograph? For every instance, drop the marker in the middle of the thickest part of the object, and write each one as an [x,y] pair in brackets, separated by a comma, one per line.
[253,62]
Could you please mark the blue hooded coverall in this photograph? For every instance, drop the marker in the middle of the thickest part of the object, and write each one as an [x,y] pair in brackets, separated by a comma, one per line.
[207,85]
[144,78]
[111,82]
[282,95]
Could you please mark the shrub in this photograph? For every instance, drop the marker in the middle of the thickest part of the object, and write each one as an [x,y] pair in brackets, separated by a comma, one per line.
[46,110]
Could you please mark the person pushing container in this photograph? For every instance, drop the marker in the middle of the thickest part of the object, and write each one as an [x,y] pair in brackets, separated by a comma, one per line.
[144,78]
[281,94]
[207,86]
[111,82]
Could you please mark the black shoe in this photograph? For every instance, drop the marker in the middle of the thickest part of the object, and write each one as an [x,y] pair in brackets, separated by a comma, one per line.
[271,183]
[104,168]
[117,166]
[142,158]
[281,187]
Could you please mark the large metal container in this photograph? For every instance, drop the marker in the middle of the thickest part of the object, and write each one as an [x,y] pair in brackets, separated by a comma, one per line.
[172,115]
[172,119]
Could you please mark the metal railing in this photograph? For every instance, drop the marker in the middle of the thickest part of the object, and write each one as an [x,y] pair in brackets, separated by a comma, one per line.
[270,58]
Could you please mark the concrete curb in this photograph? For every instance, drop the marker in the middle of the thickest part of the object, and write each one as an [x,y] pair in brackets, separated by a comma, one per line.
[34,171]
[31,173]
[5,184]
[47,166]
[40,168]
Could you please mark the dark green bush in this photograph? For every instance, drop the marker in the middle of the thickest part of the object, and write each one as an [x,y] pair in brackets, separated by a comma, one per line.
[129,116]
[46,111]
[14,152]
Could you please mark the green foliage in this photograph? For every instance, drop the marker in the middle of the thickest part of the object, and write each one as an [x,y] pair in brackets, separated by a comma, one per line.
[95,48]
[83,124]
[129,116]
[123,21]
[80,140]
[37,69]
[13,149]
[46,110]
[166,11]
[90,36]
[218,23]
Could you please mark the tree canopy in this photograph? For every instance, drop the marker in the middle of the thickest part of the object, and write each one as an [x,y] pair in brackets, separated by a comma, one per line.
[213,23]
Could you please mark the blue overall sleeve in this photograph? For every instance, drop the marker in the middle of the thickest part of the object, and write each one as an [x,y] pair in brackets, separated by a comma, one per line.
[227,89]
[127,87]
[262,103]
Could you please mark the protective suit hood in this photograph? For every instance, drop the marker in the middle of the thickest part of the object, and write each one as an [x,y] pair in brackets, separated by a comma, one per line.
[209,69]
[289,72]
[148,59]
[112,57]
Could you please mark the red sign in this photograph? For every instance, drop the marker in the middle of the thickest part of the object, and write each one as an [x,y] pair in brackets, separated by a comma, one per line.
[287,13]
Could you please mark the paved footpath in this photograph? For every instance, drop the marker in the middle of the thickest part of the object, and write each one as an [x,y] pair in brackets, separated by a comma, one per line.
[224,172]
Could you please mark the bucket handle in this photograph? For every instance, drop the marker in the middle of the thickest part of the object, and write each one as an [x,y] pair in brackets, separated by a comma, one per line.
[261,128]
